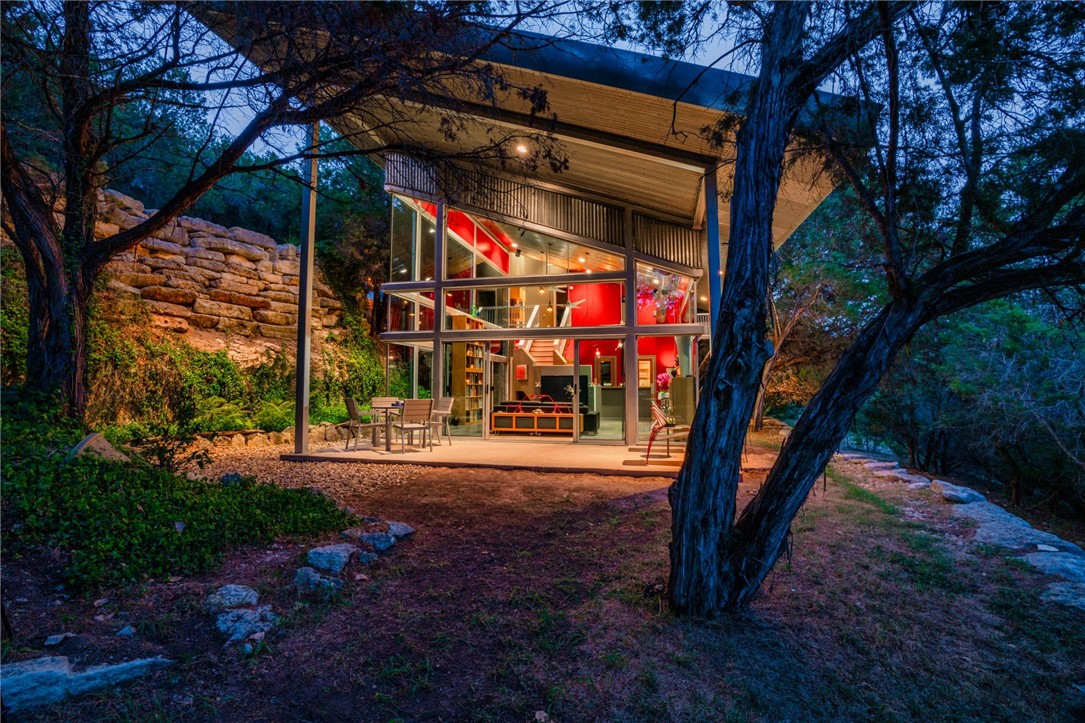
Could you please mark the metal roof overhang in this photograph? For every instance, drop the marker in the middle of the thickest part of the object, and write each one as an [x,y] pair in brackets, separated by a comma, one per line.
[630,125]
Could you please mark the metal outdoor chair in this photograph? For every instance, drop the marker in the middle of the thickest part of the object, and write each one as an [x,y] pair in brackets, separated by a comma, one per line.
[442,411]
[355,425]
[664,430]
[415,418]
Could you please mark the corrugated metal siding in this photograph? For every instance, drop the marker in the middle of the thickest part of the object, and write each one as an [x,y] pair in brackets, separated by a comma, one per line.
[511,198]
[667,241]
[590,219]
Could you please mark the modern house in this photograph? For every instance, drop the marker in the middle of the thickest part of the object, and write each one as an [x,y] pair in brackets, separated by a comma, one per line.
[549,304]
[552,302]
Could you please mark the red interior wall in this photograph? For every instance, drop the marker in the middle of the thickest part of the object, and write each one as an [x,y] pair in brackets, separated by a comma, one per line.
[602,306]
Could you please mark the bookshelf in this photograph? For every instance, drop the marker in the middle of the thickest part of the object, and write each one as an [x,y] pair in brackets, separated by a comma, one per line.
[468,358]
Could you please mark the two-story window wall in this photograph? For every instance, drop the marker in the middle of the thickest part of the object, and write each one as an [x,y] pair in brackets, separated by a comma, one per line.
[532,329]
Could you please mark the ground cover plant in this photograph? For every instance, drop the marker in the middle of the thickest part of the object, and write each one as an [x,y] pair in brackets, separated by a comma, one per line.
[121,522]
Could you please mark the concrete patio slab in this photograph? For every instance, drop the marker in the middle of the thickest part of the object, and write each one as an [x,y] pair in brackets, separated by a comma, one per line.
[541,455]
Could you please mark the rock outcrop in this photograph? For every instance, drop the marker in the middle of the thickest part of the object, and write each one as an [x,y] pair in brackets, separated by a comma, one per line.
[194,274]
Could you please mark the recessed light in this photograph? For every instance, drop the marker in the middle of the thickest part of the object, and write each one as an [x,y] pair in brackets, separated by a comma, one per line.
[521,148]
[582,260]
[704,298]
[514,244]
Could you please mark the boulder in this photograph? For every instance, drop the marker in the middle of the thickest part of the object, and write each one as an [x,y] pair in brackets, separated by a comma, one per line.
[244,623]
[275,438]
[282,297]
[208,264]
[277,332]
[203,321]
[29,684]
[139,280]
[228,247]
[274,318]
[96,445]
[169,294]
[169,323]
[1068,565]
[198,225]
[164,308]
[281,288]
[331,558]
[228,597]
[308,581]
[226,310]
[257,440]
[244,274]
[231,297]
[198,253]
[238,440]
[104,229]
[253,238]
[330,320]
[399,530]
[955,493]
[1066,593]
[236,327]
[236,262]
[287,268]
[173,263]
[186,282]
[287,252]
[282,307]
[164,247]
[329,302]
[246,284]
[126,202]
[379,541]
[172,233]
[127,267]
[122,288]
[122,219]
[996,526]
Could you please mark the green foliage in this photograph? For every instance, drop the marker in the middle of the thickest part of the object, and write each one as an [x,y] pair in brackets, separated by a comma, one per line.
[14,317]
[121,523]
[997,391]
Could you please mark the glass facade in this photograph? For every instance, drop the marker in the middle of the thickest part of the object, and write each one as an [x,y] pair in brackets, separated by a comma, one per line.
[529,359]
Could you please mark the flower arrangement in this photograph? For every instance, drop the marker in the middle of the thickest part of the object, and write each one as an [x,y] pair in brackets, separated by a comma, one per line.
[663,381]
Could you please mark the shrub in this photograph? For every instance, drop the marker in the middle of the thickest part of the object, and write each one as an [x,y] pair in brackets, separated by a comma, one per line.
[120,523]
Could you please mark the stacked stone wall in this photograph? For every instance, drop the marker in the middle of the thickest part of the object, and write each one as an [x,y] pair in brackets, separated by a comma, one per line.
[197,275]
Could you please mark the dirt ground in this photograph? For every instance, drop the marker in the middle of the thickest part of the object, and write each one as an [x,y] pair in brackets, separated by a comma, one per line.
[528,596]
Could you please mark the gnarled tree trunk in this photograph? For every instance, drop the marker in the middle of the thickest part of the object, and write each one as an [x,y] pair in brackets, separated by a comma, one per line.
[702,579]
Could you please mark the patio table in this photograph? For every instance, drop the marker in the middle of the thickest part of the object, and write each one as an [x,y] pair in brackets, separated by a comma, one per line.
[388,410]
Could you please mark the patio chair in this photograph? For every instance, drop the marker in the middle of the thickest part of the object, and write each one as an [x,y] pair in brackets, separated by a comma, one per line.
[442,410]
[355,425]
[664,430]
[415,418]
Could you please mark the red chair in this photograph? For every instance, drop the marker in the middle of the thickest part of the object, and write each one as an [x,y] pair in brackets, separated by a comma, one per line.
[664,430]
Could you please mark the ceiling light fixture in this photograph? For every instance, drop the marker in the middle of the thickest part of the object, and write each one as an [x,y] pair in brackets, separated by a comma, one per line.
[521,149]
[517,253]
[514,245]
[582,260]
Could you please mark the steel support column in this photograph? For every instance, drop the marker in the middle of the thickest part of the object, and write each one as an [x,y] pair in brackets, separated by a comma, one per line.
[305,298]
[629,345]
[712,229]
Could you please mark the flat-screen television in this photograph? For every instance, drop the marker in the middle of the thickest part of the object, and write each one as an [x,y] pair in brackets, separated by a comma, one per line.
[555,385]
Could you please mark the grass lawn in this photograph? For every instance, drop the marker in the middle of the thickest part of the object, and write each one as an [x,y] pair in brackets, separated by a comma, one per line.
[526,592]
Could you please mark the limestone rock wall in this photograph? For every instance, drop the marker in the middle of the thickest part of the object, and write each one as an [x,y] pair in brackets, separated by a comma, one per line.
[195,275]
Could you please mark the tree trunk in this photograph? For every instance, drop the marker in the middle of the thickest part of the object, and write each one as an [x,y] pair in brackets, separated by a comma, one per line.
[765,524]
[759,403]
[703,497]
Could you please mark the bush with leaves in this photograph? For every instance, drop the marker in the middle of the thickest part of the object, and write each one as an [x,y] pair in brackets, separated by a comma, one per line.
[123,522]
[998,391]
